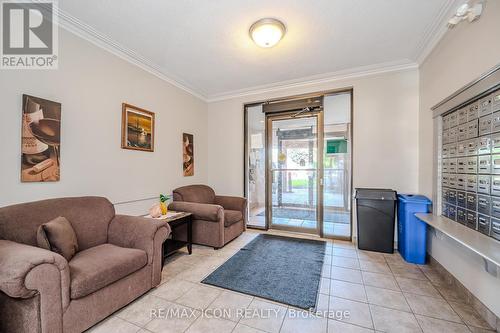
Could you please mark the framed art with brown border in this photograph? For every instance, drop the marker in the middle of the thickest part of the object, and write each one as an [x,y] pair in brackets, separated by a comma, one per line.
[187,154]
[138,128]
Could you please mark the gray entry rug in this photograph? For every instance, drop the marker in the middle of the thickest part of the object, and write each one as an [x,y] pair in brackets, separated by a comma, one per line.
[281,269]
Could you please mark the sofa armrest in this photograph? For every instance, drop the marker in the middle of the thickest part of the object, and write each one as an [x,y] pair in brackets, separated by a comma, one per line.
[200,211]
[27,270]
[232,203]
[18,260]
[137,233]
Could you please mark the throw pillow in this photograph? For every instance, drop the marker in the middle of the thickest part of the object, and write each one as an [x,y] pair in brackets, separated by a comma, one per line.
[58,236]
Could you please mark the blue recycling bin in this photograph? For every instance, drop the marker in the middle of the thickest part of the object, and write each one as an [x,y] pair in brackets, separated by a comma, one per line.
[412,233]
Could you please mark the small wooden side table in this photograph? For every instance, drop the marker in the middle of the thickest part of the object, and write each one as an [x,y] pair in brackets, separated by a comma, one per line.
[176,220]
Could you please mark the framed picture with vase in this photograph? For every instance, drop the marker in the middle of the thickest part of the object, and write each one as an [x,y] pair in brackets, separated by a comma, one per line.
[138,128]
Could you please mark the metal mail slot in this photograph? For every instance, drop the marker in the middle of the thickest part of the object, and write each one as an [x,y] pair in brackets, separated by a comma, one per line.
[484,125]
[462,132]
[485,106]
[461,215]
[461,182]
[484,145]
[452,212]
[472,145]
[454,119]
[452,150]
[471,201]
[452,181]
[472,112]
[452,134]
[472,129]
[446,137]
[495,207]
[484,204]
[452,165]
[445,152]
[483,166]
[444,194]
[495,164]
[461,199]
[445,180]
[483,224]
[495,122]
[462,116]
[495,101]
[472,164]
[483,184]
[471,219]
[446,122]
[452,197]
[462,165]
[495,185]
[495,144]
[461,149]
[471,183]
[495,228]
[445,166]
[444,210]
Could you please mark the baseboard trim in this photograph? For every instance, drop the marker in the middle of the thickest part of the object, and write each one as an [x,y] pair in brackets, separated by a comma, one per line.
[463,292]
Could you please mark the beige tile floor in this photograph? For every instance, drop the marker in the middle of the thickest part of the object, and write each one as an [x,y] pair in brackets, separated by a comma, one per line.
[382,292]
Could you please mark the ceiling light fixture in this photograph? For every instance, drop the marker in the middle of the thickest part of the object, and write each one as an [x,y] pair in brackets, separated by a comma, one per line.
[467,11]
[267,32]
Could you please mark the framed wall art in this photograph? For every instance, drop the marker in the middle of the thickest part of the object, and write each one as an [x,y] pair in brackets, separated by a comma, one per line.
[187,154]
[138,128]
[41,140]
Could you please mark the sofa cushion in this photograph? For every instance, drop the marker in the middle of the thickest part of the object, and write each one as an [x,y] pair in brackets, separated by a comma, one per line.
[231,217]
[58,236]
[99,266]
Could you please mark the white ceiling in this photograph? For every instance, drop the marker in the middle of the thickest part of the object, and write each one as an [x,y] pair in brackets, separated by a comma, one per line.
[204,47]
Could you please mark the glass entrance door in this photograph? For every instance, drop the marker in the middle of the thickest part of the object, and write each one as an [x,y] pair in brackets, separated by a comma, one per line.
[298,167]
[294,172]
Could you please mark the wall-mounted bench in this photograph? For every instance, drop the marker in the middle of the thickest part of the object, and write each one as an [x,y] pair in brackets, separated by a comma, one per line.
[486,247]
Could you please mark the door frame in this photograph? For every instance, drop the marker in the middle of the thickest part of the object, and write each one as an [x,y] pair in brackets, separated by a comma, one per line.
[318,114]
[347,89]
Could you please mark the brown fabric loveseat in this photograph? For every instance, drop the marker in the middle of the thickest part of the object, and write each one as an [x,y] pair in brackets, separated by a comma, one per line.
[119,259]
[216,219]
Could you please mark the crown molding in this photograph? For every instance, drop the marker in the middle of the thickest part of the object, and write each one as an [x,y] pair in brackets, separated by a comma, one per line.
[85,31]
[357,72]
[435,31]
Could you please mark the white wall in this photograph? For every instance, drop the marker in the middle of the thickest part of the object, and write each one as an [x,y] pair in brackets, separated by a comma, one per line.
[92,84]
[385,133]
[460,57]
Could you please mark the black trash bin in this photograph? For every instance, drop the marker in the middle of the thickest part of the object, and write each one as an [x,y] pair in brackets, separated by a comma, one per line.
[376,210]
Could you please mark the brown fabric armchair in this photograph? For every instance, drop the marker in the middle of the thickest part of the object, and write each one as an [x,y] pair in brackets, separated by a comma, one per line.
[216,219]
[119,259]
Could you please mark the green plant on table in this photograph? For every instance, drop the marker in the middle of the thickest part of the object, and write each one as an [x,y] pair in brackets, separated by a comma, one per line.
[163,203]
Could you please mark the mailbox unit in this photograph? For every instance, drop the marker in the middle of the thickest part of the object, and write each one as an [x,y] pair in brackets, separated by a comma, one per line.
[470,165]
